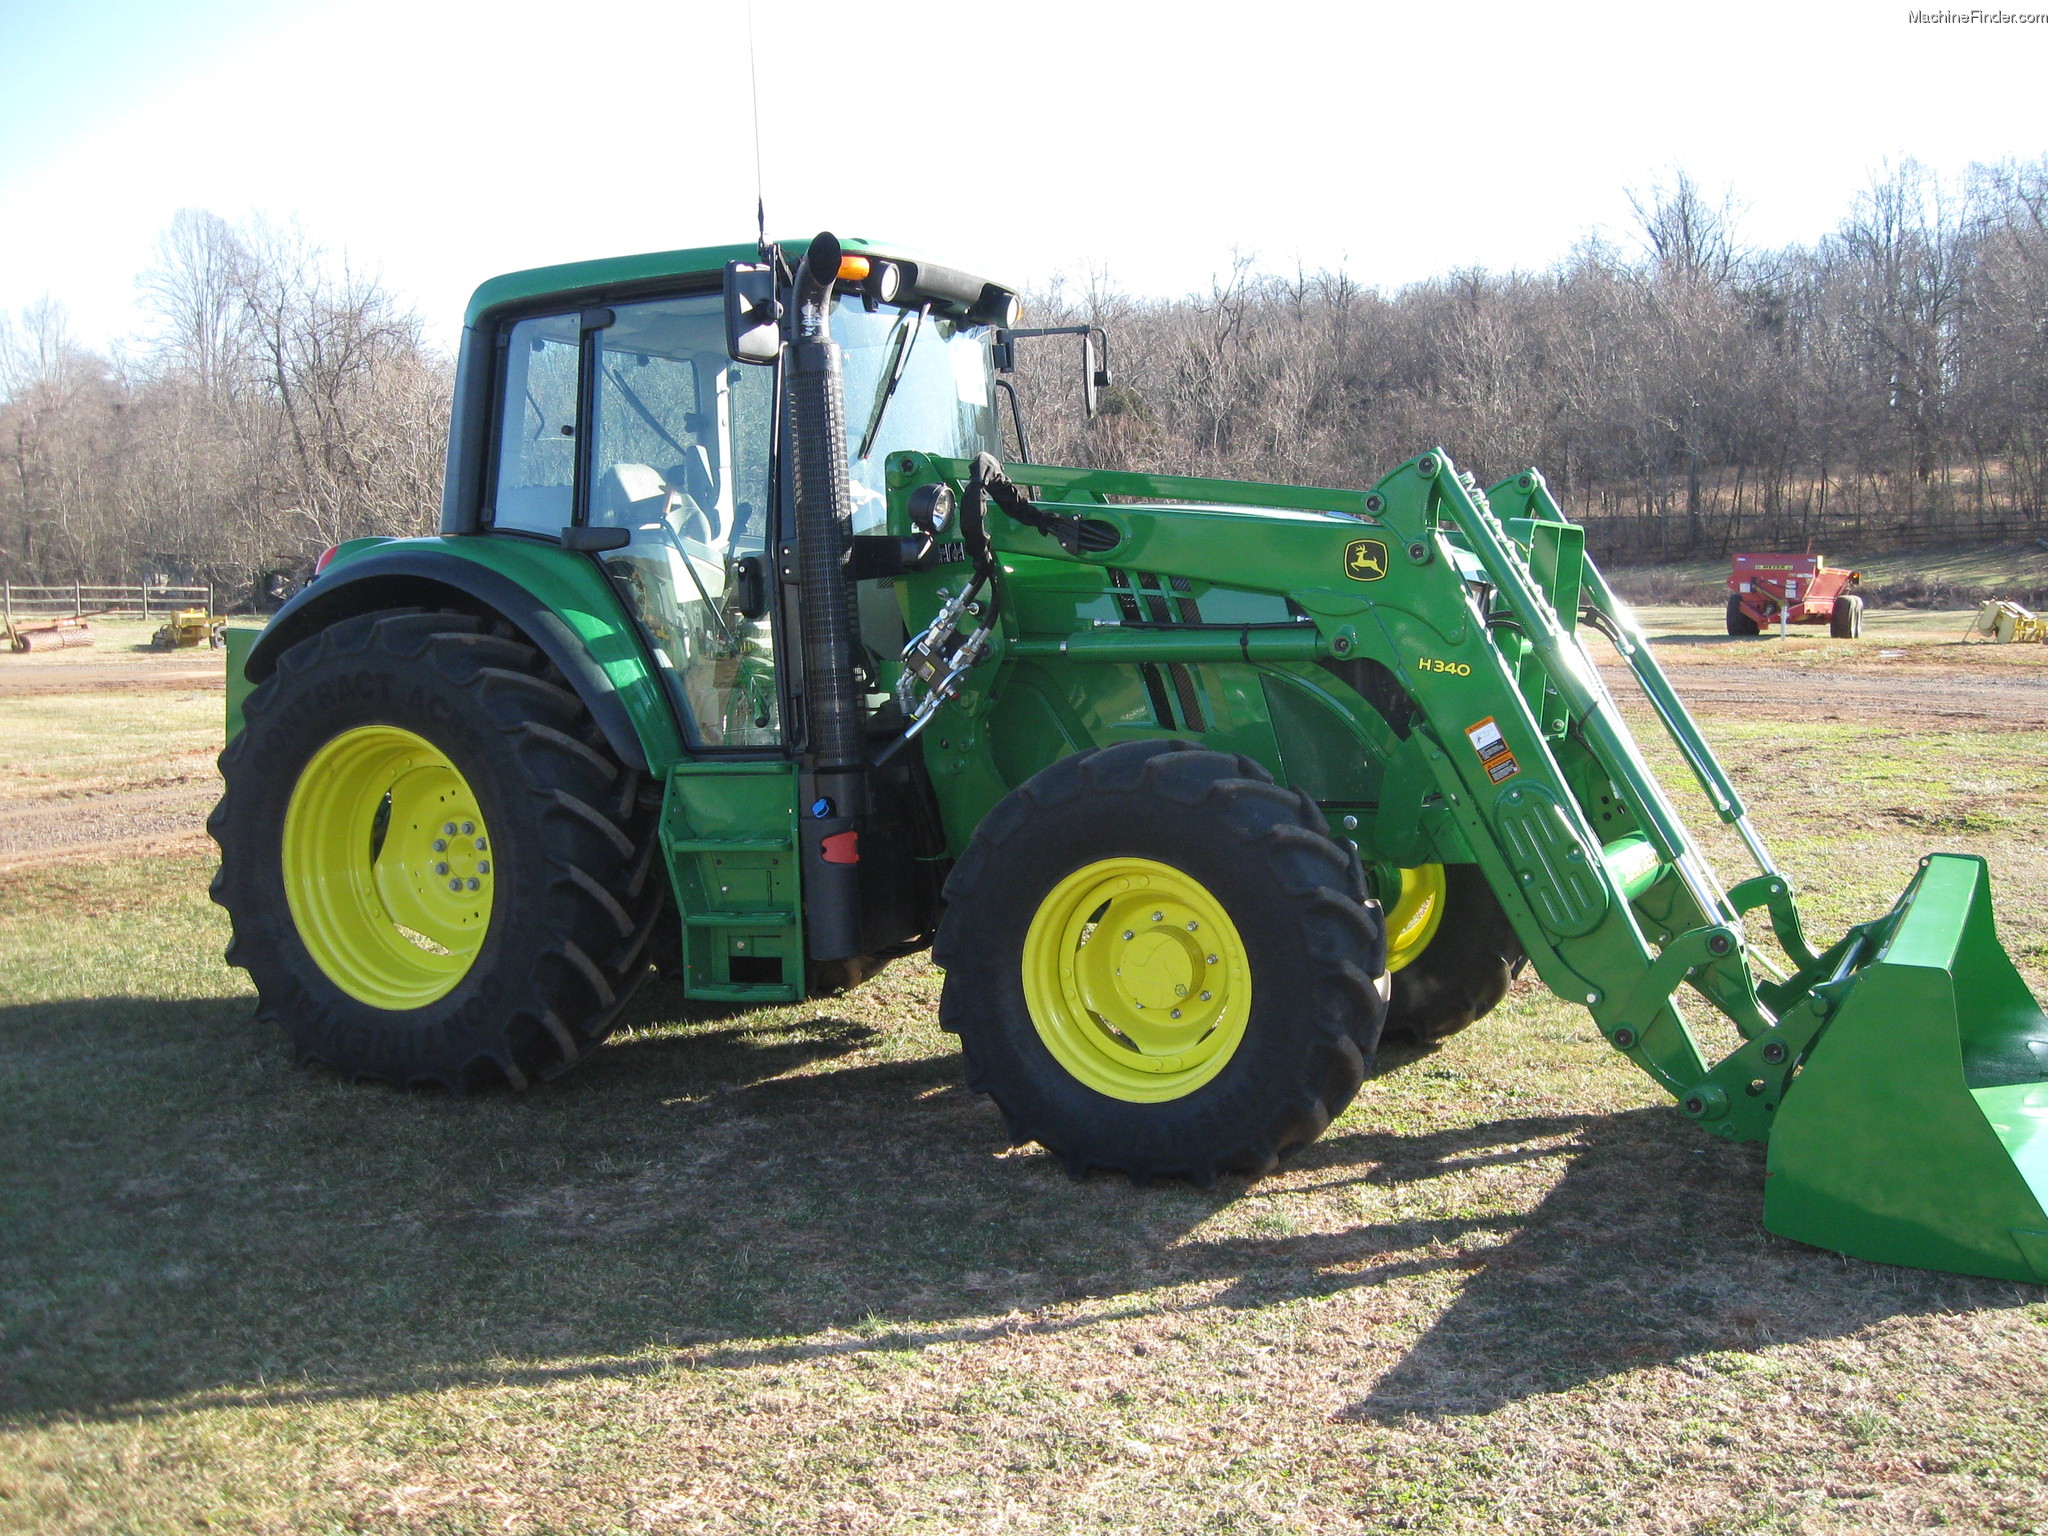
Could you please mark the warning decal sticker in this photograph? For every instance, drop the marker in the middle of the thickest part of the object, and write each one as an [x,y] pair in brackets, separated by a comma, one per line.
[1493,751]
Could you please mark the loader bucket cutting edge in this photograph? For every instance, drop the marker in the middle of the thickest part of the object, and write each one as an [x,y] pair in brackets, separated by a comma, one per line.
[1916,1131]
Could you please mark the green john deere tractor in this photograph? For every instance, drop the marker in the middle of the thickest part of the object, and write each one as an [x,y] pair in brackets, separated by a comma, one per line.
[743,655]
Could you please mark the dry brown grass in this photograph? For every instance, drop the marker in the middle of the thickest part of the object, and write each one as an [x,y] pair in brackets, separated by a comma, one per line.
[776,1271]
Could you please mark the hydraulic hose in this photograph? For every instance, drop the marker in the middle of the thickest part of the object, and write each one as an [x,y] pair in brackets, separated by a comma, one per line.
[941,656]
[981,480]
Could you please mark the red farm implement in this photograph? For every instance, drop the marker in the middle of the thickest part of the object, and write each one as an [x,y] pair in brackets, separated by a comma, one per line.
[1777,591]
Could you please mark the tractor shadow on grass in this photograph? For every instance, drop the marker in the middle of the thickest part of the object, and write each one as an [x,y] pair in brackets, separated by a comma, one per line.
[191,1221]
[1649,1250]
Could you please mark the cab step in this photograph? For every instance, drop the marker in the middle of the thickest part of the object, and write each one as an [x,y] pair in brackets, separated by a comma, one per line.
[729,832]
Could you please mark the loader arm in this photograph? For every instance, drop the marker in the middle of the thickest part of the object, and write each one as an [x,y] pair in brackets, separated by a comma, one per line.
[1519,760]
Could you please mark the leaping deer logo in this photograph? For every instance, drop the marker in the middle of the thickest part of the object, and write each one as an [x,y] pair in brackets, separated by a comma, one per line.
[1365,560]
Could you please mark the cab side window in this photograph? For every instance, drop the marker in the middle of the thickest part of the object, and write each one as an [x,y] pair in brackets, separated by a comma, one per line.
[679,458]
[534,487]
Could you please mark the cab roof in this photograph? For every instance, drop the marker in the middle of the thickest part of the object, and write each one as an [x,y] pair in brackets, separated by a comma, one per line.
[582,278]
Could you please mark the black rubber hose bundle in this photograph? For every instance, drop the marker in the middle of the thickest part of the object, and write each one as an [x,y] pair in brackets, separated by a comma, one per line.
[1076,535]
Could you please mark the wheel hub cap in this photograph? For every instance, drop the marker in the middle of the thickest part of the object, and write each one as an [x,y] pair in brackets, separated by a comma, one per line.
[388,867]
[1137,980]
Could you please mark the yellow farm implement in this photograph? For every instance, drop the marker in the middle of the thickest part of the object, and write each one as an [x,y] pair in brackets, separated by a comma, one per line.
[189,627]
[2008,623]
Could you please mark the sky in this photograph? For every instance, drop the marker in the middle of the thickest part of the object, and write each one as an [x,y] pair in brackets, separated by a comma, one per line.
[437,143]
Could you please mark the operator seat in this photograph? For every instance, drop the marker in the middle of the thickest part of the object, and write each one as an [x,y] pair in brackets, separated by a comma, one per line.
[634,495]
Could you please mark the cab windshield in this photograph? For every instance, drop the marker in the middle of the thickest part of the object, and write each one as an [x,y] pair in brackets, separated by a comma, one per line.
[943,403]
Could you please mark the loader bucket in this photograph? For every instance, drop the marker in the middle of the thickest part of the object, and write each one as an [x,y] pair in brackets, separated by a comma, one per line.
[1916,1131]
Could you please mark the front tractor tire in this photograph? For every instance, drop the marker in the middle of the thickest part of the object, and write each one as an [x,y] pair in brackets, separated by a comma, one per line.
[1159,963]
[436,871]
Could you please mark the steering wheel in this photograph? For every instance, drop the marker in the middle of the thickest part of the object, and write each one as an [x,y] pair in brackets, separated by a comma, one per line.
[697,517]
[714,607]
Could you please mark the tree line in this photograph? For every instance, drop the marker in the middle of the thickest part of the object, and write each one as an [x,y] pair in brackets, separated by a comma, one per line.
[1885,386]
[281,402]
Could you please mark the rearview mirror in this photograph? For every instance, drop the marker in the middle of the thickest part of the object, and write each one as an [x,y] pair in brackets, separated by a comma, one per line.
[1095,374]
[753,331]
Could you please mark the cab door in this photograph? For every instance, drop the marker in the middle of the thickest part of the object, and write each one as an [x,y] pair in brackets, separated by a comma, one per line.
[680,460]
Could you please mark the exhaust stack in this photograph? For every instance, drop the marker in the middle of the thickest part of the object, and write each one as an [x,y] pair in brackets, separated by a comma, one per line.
[835,777]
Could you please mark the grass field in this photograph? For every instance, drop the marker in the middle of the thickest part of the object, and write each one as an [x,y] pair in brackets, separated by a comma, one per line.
[776,1271]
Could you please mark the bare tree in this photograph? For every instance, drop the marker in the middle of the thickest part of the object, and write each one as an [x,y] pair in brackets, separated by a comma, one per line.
[284,402]
[1886,384]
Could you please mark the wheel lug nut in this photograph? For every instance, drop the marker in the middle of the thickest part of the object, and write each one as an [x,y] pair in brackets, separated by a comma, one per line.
[454,885]
[483,866]
[1193,926]
[440,845]
[1158,916]
[474,884]
[468,827]
[1207,995]
[440,869]
[1211,959]
[449,829]
[1175,1014]
[1128,934]
[479,845]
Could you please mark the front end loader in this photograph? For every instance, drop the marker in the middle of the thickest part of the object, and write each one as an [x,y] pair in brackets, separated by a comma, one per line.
[744,654]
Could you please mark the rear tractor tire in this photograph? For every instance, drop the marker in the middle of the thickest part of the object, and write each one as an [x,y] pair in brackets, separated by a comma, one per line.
[1845,622]
[1739,622]
[436,870]
[1451,952]
[1159,963]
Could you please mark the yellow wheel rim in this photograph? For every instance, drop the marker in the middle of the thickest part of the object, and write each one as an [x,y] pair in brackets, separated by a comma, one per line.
[1136,980]
[387,867]
[1411,923]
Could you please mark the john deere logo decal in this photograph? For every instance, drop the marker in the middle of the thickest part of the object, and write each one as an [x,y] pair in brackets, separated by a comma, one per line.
[1365,559]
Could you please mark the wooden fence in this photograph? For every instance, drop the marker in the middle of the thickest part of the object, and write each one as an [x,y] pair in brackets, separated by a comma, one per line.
[20,603]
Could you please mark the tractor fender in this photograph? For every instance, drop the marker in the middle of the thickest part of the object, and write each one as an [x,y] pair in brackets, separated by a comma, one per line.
[408,576]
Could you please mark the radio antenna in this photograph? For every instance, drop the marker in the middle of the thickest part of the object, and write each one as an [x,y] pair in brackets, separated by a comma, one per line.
[760,193]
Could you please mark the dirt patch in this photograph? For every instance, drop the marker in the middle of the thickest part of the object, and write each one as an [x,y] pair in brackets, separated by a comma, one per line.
[24,675]
[50,829]
[1984,698]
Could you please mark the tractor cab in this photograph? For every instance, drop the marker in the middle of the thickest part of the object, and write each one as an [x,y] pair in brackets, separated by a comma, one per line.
[629,429]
